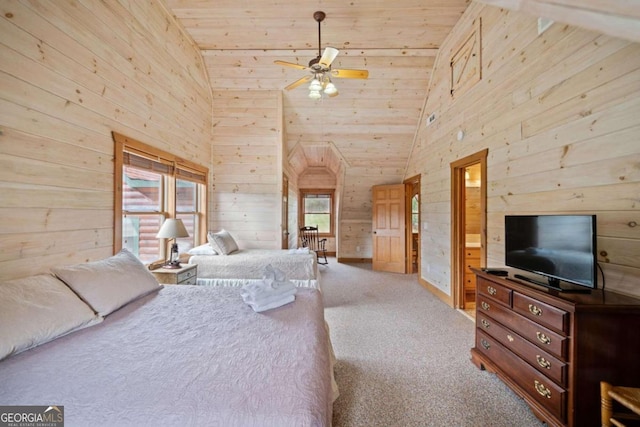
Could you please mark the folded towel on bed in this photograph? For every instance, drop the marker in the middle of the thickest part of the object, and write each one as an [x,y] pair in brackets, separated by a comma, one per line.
[261,289]
[262,299]
[260,307]
[299,251]
[270,292]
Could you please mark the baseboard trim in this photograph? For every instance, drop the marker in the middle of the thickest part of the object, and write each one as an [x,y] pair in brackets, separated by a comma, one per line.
[354,260]
[437,292]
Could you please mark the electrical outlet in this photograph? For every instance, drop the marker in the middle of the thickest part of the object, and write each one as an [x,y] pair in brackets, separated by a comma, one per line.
[431,118]
[544,24]
[357,248]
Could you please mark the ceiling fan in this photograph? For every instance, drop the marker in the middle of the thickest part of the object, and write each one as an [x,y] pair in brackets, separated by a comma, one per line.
[320,69]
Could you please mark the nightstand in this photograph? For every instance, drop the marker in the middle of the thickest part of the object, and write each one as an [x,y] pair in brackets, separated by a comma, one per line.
[186,275]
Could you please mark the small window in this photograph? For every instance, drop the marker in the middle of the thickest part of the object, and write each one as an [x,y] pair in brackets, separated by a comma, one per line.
[187,211]
[317,210]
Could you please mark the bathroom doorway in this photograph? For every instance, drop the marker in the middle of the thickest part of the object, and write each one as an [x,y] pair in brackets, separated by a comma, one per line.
[412,207]
[469,225]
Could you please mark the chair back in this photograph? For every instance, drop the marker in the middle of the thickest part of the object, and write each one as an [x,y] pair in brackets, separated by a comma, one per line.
[309,238]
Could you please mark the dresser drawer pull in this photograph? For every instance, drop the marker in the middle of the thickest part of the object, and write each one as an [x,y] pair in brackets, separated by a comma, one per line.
[485,344]
[485,324]
[485,306]
[491,290]
[536,311]
[542,390]
[543,338]
[543,362]
[510,338]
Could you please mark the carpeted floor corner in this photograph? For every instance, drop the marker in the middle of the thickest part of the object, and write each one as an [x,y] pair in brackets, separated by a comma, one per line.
[403,356]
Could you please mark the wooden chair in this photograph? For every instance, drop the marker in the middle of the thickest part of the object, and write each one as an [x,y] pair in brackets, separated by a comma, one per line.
[309,239]
[627,397]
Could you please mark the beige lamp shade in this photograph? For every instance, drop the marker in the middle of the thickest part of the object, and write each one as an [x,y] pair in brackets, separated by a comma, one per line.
[172,228]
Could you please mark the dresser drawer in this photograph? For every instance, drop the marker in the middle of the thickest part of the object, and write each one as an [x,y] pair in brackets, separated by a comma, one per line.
[189,281]
[540,312]
[494,291]
[549,395]
[472,253]
[186,275]
[544,362]
[544,338]
[470,281]
[471,259]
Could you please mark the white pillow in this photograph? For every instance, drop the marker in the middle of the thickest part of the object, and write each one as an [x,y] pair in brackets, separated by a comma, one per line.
[222,242]
[205,249]
[38,309]
[108,284]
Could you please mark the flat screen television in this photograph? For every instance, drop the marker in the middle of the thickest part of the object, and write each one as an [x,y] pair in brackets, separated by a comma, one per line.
[562,248]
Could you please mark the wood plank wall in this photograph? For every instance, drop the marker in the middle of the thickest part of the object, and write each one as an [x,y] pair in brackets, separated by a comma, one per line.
[560,114]
[247,167]
[71,73]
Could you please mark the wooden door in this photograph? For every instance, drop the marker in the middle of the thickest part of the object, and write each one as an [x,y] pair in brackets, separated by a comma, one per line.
[388,228]
[285,212]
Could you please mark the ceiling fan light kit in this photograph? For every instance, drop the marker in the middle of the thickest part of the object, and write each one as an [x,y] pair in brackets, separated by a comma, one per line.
[315,85]
[322,84]
[331,89]
[320,69]
[315,94]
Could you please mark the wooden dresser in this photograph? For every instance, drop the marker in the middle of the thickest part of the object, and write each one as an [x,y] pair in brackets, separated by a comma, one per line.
[553,349]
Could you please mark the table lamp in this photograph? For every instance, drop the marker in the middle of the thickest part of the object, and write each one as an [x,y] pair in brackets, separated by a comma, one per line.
[171,229]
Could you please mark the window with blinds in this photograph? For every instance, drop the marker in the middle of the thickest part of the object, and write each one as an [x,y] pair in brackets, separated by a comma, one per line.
[153,186]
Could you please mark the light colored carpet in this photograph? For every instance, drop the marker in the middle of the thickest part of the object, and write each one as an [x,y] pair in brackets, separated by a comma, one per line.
[403,356]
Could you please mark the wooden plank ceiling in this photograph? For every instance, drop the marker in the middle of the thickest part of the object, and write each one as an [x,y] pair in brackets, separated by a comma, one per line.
[619,18]
[372,123]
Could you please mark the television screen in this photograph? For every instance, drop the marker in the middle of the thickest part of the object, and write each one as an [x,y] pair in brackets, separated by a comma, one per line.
[560,247]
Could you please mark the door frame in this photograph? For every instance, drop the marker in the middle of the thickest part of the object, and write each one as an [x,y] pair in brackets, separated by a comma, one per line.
[458,188]
[411,182]
[284,228]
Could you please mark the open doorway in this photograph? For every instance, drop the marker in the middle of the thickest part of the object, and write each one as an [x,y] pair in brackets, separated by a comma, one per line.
[469,224]
[412,207]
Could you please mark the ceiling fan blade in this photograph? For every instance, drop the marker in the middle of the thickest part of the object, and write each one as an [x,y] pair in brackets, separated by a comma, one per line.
[299,82]
[290,64]
[350,74]
[328,56]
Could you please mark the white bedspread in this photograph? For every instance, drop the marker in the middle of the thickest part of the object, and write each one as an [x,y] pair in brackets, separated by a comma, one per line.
[248,265]
[185,356]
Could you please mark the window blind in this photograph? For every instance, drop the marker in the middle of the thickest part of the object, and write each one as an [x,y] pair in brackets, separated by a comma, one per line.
[146,163]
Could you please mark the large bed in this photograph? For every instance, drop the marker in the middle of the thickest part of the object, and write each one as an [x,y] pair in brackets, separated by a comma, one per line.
[179,355]
[247,265]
